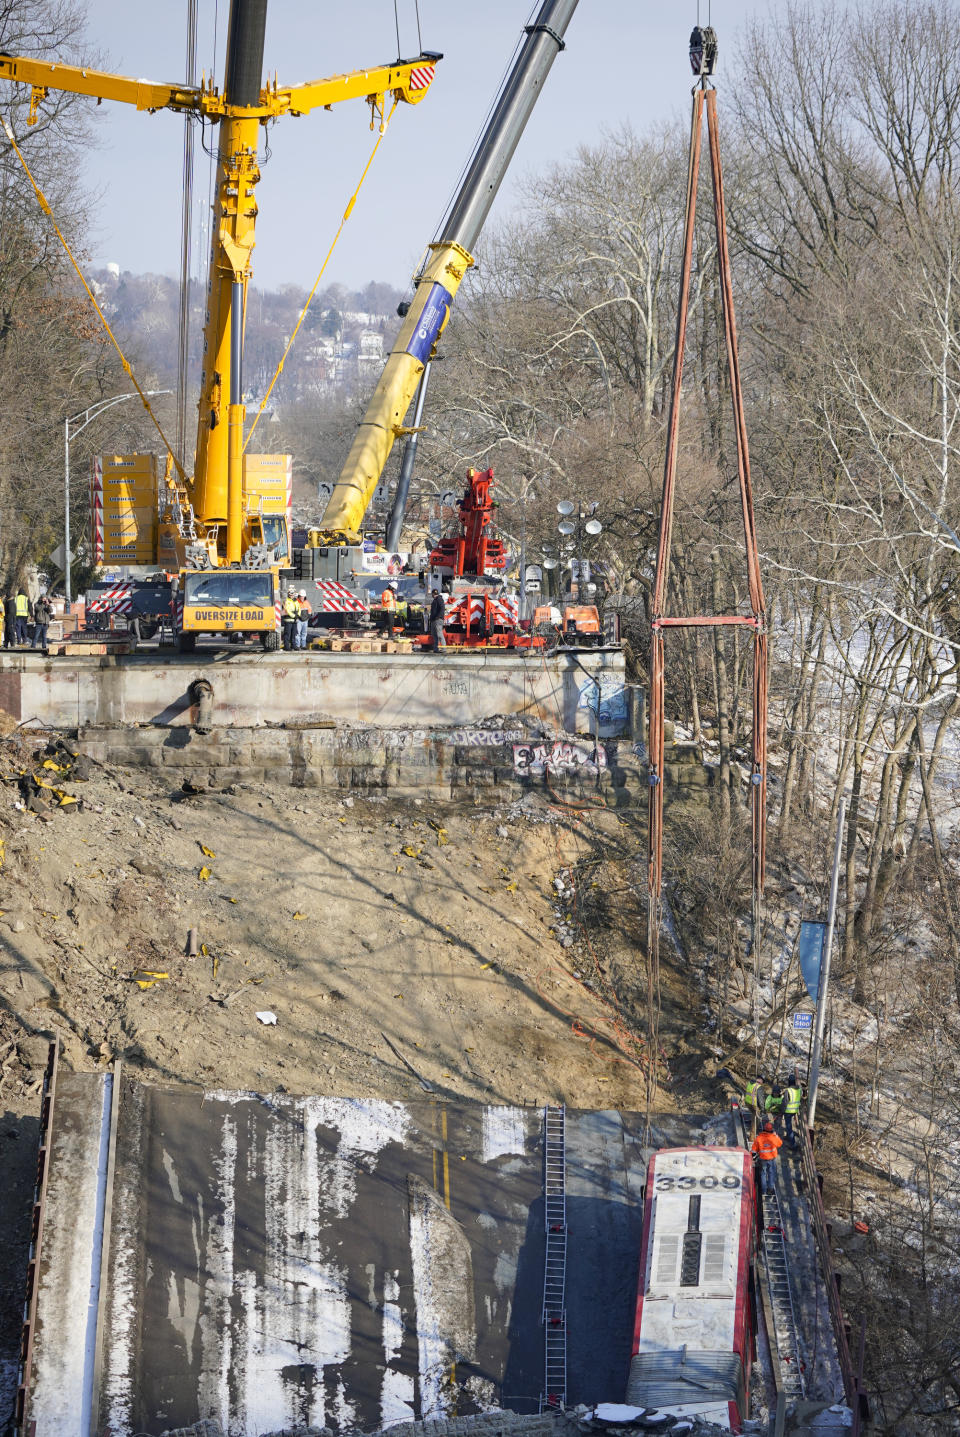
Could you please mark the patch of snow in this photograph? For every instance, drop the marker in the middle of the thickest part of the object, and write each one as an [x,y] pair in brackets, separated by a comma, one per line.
[483,1392]
[216,1333]
[397,1398]
[306,1178]
[505,1272]
[172,1178]
[617,1412]
[64,1342]
[366,1127]
[392,1317]
[432,1350]
[504,1131]
[124,1318]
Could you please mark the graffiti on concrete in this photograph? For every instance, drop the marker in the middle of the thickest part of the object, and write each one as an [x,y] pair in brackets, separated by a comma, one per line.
[483,737]
[560,757]
[606,697]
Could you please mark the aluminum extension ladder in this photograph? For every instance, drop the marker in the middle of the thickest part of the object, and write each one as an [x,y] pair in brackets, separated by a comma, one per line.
[781,1297]
[553,1315]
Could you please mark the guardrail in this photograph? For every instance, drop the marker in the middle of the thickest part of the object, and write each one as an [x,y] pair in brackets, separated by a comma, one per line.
[852,1375]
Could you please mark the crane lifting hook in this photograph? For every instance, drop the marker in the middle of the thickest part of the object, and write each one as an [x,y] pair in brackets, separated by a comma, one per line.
[703,50]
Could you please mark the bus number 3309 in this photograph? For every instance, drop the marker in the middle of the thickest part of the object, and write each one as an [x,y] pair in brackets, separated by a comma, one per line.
[666,1183]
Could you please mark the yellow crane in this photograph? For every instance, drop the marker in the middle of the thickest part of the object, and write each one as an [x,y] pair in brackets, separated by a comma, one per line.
[212,531]
[449,257]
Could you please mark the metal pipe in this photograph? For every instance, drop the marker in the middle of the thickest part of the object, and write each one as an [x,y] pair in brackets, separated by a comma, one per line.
[186,235]
[543,42]
[67,591]
[248,23]
[824,980]
[395,522]
[234,221]
[236,342]
[235,418]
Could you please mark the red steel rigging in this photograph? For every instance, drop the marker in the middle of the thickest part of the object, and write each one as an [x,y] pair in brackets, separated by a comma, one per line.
[703,51]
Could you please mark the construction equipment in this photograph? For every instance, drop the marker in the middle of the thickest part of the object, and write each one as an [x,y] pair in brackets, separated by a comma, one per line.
[448,258]
[474,551]
[478,613]
[578,626]
[203,517]
[581,625]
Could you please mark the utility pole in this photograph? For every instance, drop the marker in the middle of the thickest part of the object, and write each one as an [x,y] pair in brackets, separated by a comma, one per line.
[824,980]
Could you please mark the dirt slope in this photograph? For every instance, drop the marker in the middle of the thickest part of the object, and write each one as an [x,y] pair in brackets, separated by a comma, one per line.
[353,921]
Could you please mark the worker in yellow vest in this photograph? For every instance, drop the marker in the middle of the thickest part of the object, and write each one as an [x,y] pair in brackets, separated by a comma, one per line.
[22,612]
[792,1099]
[754,1097]
[288,618]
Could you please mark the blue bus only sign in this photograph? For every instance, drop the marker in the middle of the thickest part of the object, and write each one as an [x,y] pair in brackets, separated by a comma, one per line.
[802,1021]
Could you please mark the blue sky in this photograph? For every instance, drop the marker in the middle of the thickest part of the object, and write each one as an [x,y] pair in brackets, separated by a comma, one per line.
[626,60]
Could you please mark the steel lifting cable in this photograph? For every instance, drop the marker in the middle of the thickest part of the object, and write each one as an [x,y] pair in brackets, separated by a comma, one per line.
[45,206]
[756,620]
[333,244]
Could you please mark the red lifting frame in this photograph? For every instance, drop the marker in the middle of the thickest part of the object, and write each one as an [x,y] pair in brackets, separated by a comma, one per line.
[756,619]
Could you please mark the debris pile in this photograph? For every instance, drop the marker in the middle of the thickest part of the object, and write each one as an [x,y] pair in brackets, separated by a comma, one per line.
[42,768]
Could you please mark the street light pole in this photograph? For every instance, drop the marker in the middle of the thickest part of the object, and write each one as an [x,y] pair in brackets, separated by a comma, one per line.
[68,596]
[93,411]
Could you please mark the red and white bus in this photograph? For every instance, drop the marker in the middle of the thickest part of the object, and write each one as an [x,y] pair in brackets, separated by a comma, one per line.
[694,1323]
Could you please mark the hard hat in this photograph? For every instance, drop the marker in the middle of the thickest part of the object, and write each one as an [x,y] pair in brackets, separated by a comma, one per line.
[301,594]
[768,1126]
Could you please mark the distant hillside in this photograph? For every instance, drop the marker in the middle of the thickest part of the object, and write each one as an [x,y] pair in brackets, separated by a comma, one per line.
[340,347]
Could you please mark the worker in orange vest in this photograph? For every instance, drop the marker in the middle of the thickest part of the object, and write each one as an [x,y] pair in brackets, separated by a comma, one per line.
[388,603]
[766,1145]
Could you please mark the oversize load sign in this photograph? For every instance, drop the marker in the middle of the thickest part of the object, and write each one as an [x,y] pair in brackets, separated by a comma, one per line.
[201,616]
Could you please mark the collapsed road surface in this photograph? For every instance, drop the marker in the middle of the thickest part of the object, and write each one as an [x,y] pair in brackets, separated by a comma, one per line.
[278,1260]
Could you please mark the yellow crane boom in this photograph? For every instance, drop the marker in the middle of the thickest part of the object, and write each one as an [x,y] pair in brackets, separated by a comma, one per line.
[437,283]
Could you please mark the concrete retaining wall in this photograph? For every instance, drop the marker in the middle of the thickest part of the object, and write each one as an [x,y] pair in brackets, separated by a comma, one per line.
[572,692]
[441,763]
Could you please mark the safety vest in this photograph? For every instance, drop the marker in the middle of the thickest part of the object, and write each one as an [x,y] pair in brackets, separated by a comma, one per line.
[291,608]
[388,599]
[766,1145]
[773,1104]
[792,1098]
[751,1094]
[23,606]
